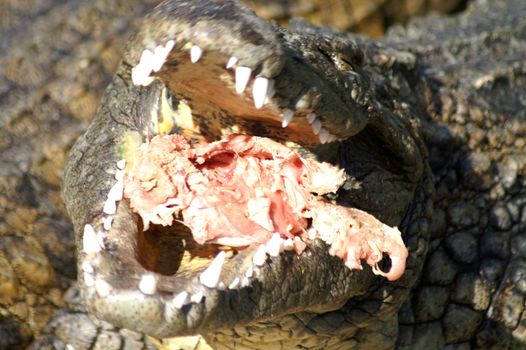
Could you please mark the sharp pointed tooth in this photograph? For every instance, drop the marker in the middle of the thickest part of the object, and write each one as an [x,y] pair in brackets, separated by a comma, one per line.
[288,244]
[195,53]
[234,283]
[148,284]
[261,255]
[245,281]
[324,135]
[242,77]
[110,207]
[231,62]
[274,245]
[287,117]
[103,288]
[316,126]
[89,280]
[259,91]
[87,267]
[141,75]
[141,72]
[312,233]
[160,54]
[147,58]
[197,297]
[249,272]
[106,222]
[116,192]
[121,164]
[179,299]
[169,45]
[210,276]
[119,175]
[311,117]
[90,243]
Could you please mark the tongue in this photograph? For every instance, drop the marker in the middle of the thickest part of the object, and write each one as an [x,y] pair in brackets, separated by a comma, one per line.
[244,189]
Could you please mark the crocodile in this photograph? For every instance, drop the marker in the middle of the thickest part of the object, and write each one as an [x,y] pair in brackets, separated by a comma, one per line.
[365,106]
[465,75]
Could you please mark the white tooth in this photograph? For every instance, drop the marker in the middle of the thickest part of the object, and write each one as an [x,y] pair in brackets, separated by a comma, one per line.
[148,284]
[259,91]
[197,297]
[103,288]
[159,58]
[288,244]
[169,45]
[195,53]
[89,280]
[119,175]
[147,58]
[161,53]
[90,242]
[324,135]
[311,117]
[179,300]
[234,283]
[231,62]
[121,164]
[261,255]
[221,286]
[287,117]
[87,267]
[316,126]
[141,72]
[242,77]
[141,75]
[311,233]
[210,276]
[274,245]
[116,191]
[110,207]
[249,272]
[245,281]
[106,222]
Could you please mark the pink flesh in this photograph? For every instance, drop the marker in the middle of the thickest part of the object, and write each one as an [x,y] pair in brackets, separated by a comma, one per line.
[246,188]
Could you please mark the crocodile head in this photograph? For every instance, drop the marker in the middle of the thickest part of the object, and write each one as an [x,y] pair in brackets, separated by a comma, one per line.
[208,69]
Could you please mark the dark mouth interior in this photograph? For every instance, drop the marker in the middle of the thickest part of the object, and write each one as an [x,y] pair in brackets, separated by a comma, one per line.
[172,249]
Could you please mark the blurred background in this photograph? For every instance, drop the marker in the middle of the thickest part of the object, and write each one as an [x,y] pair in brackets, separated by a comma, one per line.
[371,17]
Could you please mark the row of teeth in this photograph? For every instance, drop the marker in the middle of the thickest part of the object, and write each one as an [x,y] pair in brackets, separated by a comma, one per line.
[93,242]
[150,62]
[273,248]
[324,135]
[262,88]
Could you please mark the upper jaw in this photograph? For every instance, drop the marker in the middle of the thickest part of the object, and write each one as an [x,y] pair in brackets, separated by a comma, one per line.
[246,70]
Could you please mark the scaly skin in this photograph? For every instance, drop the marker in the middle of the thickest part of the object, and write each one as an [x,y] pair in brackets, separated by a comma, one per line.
[475,254]
[310,76]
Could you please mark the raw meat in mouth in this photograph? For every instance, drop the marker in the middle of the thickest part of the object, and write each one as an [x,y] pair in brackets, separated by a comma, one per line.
[245,190]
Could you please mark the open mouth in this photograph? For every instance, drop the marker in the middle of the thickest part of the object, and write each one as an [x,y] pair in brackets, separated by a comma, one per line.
[201,112]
